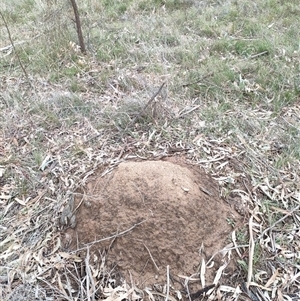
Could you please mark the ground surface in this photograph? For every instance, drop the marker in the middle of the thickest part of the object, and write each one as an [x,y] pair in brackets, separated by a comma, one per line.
[181,211]
[217,81]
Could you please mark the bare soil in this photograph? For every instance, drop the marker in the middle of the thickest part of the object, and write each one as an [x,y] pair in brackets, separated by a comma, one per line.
[181,210]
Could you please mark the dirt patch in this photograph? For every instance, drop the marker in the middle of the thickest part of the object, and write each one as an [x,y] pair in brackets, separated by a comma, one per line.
[181,210]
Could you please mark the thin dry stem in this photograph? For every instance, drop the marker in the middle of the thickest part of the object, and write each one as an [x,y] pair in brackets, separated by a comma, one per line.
[251,252]
[112,237]
[13,45]
[157,268]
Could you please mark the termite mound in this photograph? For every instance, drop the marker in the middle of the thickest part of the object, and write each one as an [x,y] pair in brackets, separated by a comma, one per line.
[154,214]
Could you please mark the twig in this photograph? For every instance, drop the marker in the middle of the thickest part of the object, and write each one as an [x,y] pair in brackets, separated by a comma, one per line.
[258,54]
[279,221]
[168,283]
[6,48]
[78,26]
[13,46]
[68,284]
[82,199]
[199,80]
[145,107]
[202,272]
[157,268]
[186,284]
[61,293]
[89,277]
[251,252]
[189,111]
[112,236]
[225,249]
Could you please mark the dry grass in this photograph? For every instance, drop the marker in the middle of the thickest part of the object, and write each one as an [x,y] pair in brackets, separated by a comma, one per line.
[231,97]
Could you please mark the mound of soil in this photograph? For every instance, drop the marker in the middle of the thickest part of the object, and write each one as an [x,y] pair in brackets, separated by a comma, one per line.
[180,210]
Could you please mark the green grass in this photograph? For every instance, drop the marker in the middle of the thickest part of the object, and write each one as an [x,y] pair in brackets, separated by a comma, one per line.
[249,51]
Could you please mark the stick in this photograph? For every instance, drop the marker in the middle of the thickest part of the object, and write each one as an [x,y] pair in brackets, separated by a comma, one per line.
[279,221]
[89,277]
[112,236]
[258,54]
[225,249]
[186,284]
[199,80]
[78,25]
[145,107]
[189,111]
[251,252]
[13,46]
[168,283]
[157,268]
[6,48]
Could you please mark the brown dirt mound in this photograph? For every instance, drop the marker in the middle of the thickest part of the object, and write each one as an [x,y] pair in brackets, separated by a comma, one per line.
[181,210]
